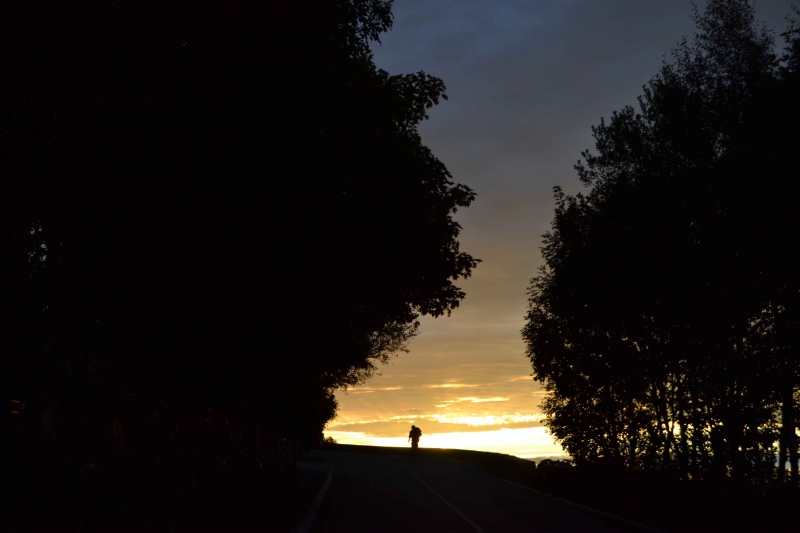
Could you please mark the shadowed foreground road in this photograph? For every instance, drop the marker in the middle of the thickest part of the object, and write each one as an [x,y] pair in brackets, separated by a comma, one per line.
[386,493]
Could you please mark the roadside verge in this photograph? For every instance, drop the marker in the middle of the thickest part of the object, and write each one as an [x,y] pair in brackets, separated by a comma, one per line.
[305,523]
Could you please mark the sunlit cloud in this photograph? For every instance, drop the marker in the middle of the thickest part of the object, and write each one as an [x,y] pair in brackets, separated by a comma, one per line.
[522,378]
[374,420]
[469,420]
[482,400]
[484,420]
[450,386]
[368,390]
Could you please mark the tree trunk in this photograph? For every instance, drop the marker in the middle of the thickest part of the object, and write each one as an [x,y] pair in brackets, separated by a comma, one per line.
[789,424]
[664,422]
[683,459]
[784,439]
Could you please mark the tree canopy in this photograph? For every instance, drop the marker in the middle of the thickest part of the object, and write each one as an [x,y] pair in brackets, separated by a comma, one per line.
[235,203]
[664,323]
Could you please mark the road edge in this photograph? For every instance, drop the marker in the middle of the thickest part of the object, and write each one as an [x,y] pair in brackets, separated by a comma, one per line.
[305,523]
[584,507]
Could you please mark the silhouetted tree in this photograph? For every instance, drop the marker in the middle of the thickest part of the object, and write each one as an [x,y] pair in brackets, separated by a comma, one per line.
[655,322]
[238,209]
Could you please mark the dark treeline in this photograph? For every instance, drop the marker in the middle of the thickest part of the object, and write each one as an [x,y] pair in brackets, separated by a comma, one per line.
[220,213]
[665,324]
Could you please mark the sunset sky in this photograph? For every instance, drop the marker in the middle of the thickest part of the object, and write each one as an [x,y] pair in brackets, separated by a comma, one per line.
[526,81]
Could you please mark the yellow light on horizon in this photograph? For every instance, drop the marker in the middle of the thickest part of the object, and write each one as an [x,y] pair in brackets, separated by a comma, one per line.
[521,442]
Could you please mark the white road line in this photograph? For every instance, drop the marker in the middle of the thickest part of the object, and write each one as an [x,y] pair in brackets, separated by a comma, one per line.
[304,525]
[475,526]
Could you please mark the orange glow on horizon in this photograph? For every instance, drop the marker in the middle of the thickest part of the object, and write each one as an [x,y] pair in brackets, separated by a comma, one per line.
[526,443]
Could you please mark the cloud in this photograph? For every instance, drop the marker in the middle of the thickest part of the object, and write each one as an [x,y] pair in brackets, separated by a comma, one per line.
[368,390]
[391,424]
[482,400]
[522,378]
[484,420]
[450,386]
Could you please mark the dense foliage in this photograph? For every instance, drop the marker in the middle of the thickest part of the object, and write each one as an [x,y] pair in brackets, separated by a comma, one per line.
[215,204]
[665,322]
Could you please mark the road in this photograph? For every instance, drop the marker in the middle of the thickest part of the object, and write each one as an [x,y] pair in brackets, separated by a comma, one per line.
[386,493]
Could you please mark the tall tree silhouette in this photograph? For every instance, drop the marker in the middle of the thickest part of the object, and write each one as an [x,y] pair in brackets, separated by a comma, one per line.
[660,323]
[238,209]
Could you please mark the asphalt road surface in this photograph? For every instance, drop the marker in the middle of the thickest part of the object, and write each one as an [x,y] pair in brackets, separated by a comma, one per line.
[386,493]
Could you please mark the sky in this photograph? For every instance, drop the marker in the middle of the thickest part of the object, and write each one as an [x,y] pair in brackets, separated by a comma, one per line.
[526,81]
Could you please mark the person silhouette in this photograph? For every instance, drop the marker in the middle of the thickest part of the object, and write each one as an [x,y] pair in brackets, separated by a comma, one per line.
[414,436]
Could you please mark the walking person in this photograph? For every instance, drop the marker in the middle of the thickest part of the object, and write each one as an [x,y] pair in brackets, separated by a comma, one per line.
[414,436]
